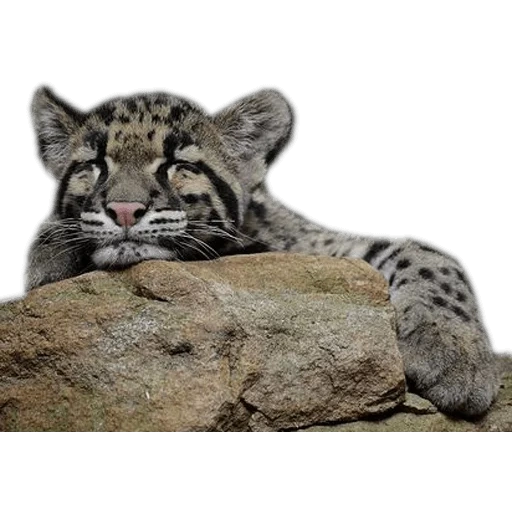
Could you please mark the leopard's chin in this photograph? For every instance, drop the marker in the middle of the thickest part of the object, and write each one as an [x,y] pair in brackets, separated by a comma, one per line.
[127,253]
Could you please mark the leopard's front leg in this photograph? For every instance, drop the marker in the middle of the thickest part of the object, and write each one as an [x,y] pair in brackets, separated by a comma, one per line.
[58,252]
[446,352]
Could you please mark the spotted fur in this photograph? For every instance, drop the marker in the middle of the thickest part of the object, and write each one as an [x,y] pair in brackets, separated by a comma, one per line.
[200,181]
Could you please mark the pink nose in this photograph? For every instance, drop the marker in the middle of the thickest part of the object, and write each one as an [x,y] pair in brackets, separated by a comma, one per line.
[125,213]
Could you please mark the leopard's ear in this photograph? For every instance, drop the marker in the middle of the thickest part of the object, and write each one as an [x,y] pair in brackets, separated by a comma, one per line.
[257,126]
[55,122]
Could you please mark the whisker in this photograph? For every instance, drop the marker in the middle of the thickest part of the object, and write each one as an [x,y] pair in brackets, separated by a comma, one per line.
[58,230]
[62,239]
[229,236]
[211,221]
[202,243]
[255,240]
[218,232]
[178,255]
[190,246]
[73,245]
[61,253]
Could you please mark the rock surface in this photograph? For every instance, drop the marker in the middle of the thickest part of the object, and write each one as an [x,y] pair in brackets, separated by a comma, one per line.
[419,415]
[261,342]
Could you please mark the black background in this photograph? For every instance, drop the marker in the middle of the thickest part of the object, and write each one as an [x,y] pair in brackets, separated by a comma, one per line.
[375,155]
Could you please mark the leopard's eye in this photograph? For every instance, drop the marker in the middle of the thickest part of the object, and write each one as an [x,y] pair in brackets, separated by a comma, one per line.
[188,171]
[187,166]
[165,171]
[88,172]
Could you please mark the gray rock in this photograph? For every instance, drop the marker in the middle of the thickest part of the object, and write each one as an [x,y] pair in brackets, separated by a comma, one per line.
[417,405]
[260,342]
[418,415]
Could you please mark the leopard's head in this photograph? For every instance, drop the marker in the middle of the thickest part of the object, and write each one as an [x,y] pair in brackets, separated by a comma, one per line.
[153,176]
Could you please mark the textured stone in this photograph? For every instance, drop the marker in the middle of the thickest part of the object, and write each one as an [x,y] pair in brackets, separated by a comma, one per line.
[260,342]
[417,416]
[417,405]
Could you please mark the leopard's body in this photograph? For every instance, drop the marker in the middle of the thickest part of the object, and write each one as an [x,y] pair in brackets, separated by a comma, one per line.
[154,177]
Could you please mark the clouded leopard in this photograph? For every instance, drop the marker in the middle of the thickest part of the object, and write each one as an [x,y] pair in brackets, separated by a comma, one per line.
[153,176]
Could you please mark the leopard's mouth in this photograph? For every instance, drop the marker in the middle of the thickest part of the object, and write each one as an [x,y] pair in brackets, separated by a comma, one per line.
[125,253]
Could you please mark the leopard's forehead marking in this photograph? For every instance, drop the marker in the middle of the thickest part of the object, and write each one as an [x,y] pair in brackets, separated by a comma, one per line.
[137,129]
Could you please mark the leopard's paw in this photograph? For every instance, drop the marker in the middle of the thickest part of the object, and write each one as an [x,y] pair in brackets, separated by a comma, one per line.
[448,361]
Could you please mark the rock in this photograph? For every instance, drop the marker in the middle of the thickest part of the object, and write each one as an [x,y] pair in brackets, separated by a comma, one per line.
[504,363]
[417,416]
[417,405]
[260,342]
